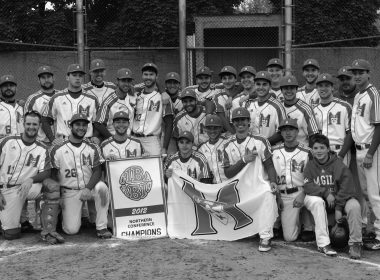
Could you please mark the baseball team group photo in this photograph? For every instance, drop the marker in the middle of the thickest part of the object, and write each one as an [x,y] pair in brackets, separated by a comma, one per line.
[201,161]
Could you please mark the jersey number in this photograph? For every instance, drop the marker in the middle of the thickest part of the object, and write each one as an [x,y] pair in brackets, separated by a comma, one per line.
[11,169]
[281,180]
[228,196]
[8,129]
[70,173]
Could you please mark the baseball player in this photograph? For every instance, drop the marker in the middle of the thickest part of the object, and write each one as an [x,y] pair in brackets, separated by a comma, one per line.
[309,92]
[192,162]
[24,165]
[150,113]
[365,128]
[347,88]
[299,110]
[173,85]
[243,148]
[64,104]
[77,167]
[8,116]
[118,100]
[120,145]
[328,179]
[8,87]
[334,118]
[191,119]
[213,149]
[97,86]
[266,111]
[275,68]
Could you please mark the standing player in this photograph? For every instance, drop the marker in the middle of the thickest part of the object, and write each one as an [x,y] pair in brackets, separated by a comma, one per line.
[63,105]
[334,118]
[309,92]
[275,68]
[213,149]
[243,148]
[347,88]
[24,165]
[204,89]
[77,166]
[173,85]
[8,116]
[97,86]
[150,113]
[365,128]
[191,119]
[266,111]
[118,100]
[191,162]
[120,145]
[299,110]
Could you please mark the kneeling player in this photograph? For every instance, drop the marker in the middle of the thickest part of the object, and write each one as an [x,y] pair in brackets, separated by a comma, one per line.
[328,179]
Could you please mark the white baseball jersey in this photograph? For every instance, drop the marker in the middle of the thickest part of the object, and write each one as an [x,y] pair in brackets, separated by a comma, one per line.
[208,94]
[75,164]
[278,94]
[311,97]
[265,116]
[8,117]
[196,166]
[38,102]
[365,113]
[307,124]
[62,107]
[19,118]
[177,106]
[184,122]
[214,156]
[334,120]
[149,113]
[110,106]
[19,161]
[101,93]
[113,149]
[290,165]
[220,101]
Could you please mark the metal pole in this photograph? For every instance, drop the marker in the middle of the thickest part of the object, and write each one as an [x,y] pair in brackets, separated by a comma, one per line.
[80,31]
[288,36]
[182,41]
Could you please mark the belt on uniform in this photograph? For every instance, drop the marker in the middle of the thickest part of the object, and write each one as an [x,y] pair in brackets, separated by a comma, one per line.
[8,186]
[336,147]
[289,191]
[362,146]
[68,188]
[141,135]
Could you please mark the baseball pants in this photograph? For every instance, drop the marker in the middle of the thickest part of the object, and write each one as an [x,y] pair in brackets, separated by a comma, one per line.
[354,219]
[72,208]
[370,183]
[264,223]
[10,216]
[151,145]
[290,217]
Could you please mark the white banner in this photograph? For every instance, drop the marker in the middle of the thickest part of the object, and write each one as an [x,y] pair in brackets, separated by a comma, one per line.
[138,204]
[232,210]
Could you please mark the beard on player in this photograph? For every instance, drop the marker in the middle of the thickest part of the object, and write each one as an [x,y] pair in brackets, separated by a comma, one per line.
[47,85]
[79,130]
[8,93]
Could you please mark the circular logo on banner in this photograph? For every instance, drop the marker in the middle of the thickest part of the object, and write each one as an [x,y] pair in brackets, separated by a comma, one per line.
[135,183]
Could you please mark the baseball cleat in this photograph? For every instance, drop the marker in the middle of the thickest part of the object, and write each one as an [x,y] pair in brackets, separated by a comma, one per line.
[355,251]
[327,250]
[372,245]
[264,245]
[103,233]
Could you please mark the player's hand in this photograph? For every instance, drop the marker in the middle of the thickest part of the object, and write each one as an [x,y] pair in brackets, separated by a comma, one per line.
[367,163]
[25,188]
[2,202]
[298,201]
[243,99]
[85,194]
[273,187]
[169,172]
[250,156]
[95,140]
[57,141]
[330,201]
[21,102]
[229,103]
[338,216]
[280,203]
[165,98]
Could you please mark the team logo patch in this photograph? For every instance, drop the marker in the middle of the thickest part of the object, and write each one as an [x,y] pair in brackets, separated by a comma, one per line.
[334,119]
[298,166]
[135,183]
[361,109]
[84,110]
[154,106]
[264,120]
[86,160]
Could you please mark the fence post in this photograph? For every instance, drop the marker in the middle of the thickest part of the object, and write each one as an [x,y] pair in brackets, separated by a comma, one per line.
[80,31]
[182,41]
[288,36]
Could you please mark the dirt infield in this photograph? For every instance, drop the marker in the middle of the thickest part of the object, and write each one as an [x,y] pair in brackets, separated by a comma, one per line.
[83,256]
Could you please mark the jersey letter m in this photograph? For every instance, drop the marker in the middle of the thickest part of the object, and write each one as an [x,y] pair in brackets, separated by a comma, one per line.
[32,161]
[154,106]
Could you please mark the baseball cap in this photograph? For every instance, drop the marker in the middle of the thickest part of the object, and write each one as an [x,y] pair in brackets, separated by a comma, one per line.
[288,80]
[124,73]
[45,69]
[150,66]
[325,77]
[344,71]
[121,115]
[275,62]
[7,79]
[79,117]
[172,76]
[360,64]
[263,75]
[288,122]
[188,93]
[97,64]
[248,69]
[240,112]
[75,68]
[203,70]
[213,120]
[187,135]
[311,62]
[228,70]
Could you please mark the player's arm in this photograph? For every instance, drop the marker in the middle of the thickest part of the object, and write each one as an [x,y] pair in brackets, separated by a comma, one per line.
[269,168]
[39,177]
[95,177]
[275,138]
[168,120]
[346,187]
[231,170]
[101,129]
[375,140]
[347,144]
[46,127]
